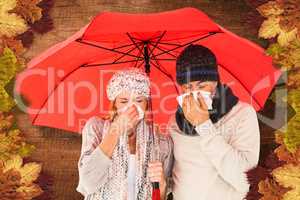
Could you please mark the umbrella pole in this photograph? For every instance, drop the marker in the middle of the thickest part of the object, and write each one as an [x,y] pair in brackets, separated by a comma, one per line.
[155,185]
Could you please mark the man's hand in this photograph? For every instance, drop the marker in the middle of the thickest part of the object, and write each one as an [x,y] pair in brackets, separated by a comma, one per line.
[196,112]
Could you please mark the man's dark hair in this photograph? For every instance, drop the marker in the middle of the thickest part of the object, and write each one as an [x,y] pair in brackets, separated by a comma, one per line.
[196,62]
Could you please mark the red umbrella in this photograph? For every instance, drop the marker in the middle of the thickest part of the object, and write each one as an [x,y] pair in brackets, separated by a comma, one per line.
[65,85]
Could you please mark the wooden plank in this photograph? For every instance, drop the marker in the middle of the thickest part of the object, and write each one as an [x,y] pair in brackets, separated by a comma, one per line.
[58,150]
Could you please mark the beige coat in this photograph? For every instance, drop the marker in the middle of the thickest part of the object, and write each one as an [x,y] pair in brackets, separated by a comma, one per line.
[212,165]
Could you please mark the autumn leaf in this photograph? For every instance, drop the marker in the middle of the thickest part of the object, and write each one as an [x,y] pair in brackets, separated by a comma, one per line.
[10,23]
[270,190]
[290,18]
[29,10]
[11,140]
[284,155]
[30,172]
[287,57]
[30,192]
[25,149]
[270,28]
[295,56]
[271,8]
[15,162]
[285,38]
[6,121]
[8,68]
[275,50]
[13,44]
[293,79]
[292,136]
[289,177]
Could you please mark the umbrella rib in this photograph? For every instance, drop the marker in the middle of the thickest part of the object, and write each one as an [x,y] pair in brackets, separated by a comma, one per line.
[166,59]
[105,48]
[113,63]
[140,64]
[124,55]
[170,44]
[163,68]
[127,45]
[244,86]
[138,60]
[46,100]
[132,40]
[67,75]
[201,38]
[156,43]
[164,51]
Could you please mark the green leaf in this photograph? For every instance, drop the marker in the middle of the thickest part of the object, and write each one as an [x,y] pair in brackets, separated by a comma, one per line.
[8,69]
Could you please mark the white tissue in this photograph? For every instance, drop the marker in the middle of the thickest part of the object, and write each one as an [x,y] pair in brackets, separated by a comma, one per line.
[206,96]
[139,110]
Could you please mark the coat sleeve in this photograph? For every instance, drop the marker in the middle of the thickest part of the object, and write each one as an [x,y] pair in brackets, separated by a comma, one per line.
[93,163]
[232,159]
[166,146]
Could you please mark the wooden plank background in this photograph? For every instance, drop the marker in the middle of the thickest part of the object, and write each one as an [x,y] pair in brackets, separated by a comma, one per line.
[59,151]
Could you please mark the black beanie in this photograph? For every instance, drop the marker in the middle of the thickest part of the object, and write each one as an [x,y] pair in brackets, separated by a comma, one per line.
[196,63]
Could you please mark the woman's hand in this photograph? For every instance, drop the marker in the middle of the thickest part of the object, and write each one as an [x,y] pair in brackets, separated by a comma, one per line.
[125,122]
[196,112]
[156,174]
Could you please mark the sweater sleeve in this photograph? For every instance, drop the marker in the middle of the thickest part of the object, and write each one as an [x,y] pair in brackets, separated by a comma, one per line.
[93,163]
[232,159]
[166,148]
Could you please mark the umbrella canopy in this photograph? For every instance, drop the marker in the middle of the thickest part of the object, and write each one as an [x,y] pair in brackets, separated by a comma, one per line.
[66,84]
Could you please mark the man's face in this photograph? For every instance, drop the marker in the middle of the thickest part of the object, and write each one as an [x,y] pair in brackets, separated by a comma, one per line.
[209,86]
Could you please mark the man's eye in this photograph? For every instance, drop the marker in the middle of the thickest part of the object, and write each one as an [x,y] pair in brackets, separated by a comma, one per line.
[123,102]
[139,101]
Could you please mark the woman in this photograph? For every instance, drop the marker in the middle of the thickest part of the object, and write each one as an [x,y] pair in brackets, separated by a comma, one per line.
[119,156]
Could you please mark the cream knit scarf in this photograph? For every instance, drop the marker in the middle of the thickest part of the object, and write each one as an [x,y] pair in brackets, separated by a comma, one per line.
[116,186]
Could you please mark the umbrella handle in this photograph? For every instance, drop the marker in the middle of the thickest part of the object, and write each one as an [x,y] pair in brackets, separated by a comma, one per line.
[155,191]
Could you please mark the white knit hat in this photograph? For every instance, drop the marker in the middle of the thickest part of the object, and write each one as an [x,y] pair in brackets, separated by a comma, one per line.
[131,80]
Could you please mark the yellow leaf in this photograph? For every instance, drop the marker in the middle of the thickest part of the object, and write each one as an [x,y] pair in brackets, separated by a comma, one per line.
[289,177]
[270,28]
[285,38]
[14,162]
[272,8]
[30,172]
[10,24]
[292,195]
[6,5]
[295,56]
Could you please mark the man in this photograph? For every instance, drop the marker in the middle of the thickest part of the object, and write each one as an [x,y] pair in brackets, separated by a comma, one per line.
[216,136]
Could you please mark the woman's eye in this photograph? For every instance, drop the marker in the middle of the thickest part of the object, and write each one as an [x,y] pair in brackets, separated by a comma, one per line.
[123,102]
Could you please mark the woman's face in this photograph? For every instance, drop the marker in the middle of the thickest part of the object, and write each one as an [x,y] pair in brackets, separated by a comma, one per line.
[125,97]
[209,86]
